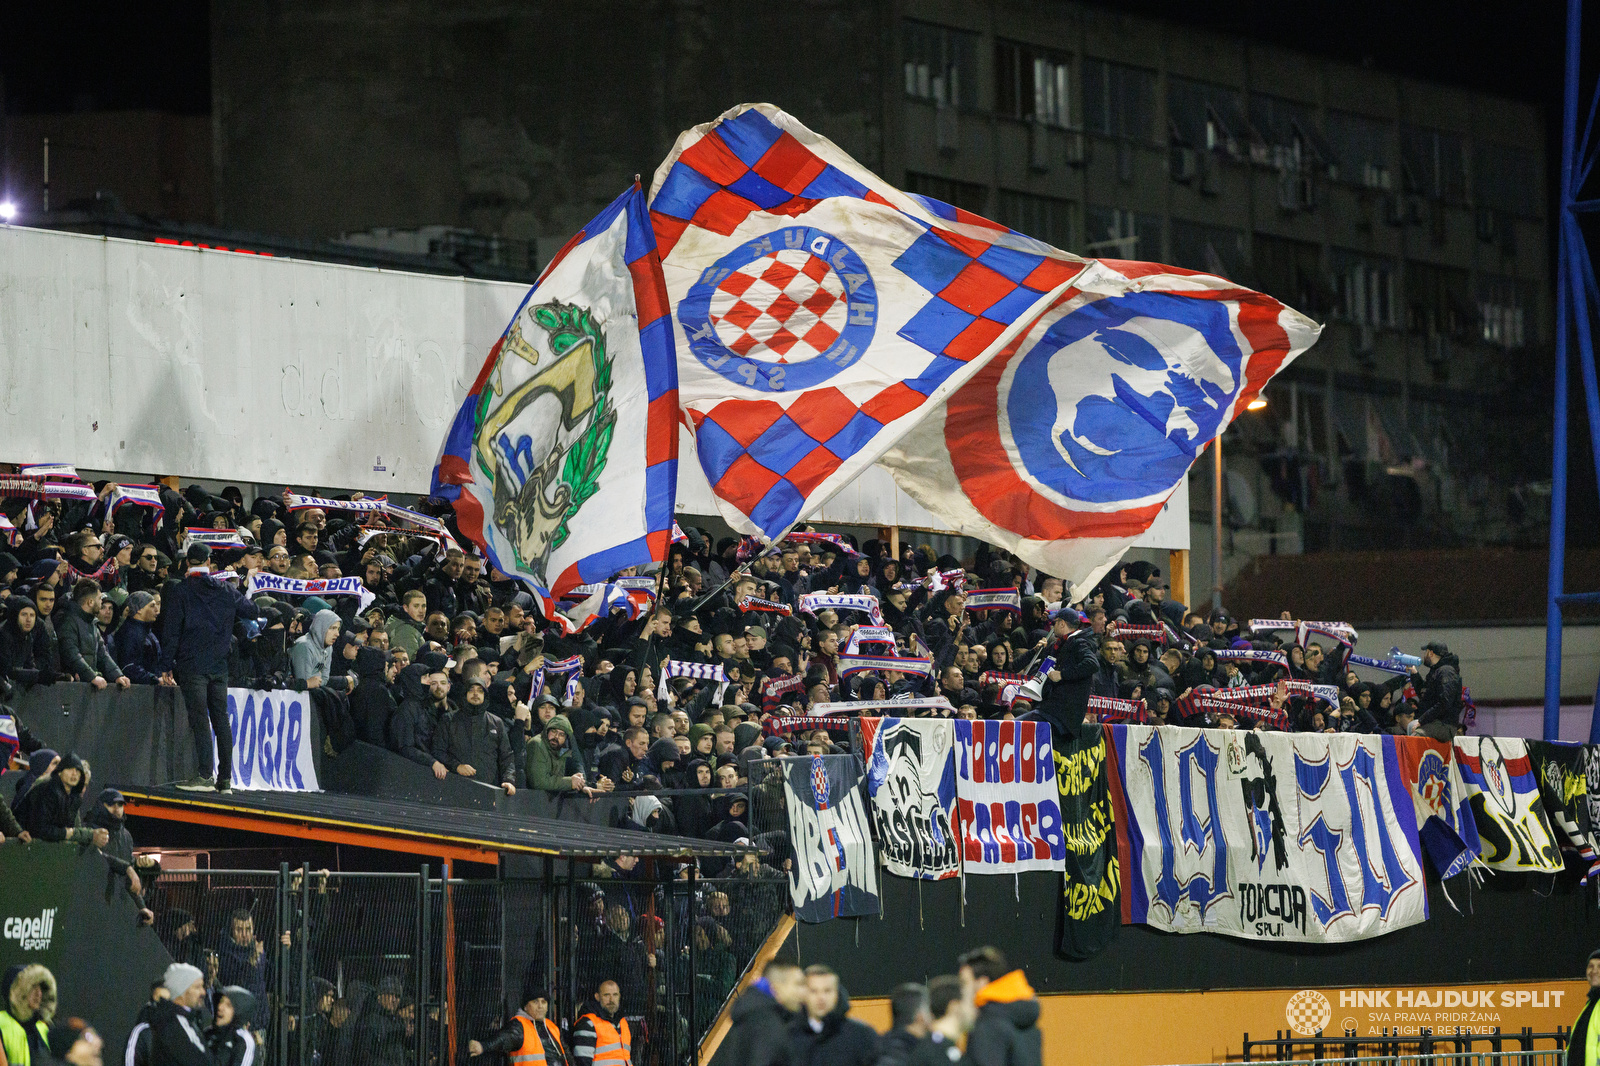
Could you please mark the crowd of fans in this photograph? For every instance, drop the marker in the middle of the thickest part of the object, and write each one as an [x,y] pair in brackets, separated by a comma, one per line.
[451,665]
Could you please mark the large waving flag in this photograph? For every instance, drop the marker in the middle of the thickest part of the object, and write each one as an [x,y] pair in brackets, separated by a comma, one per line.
[822,312]
[1064,447]
[563,461]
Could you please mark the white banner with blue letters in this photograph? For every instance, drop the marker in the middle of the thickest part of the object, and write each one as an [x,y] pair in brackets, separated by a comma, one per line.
[1272,836]
[272,740]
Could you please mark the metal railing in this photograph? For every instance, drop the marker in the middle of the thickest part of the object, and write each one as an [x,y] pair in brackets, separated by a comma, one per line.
[1390,1046]
[1538,1057]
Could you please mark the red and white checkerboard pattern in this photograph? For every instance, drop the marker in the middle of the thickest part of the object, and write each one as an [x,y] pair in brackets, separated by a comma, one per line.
[786,307]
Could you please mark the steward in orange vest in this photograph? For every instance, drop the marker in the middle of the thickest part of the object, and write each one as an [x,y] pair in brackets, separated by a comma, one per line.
[600,1035]
[531,1039]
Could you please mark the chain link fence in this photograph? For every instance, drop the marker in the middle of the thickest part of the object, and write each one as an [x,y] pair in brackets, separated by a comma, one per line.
[386,969]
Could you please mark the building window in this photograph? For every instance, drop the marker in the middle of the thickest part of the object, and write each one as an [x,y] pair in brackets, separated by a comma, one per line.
[1031,83]
[1435,163]
[1289,138]
[1291,271]
[1365,289]
[1043,218]
[1219,250]
[969,196]
[1206,117]
[1117,233]
[1505,179]
[1439,301]
[1504,311]
[1119,101]
[1363,150]
[941,64]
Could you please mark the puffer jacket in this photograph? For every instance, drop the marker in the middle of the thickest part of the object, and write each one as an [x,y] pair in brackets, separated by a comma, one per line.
[1007,1030]
[473,736]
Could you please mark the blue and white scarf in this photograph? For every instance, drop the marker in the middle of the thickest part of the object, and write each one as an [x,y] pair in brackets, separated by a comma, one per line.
[700,671]
[850,665]
[812,602]
[322,586]
[1006,599]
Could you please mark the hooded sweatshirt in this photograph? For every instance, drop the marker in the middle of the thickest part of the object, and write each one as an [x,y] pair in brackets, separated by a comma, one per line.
[549,767]
[1007,1030]
[310,655]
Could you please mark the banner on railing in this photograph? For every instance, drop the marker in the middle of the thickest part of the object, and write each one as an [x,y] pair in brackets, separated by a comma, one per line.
[1500,785]
[272,740]
[1006,794]
[1091,881]
[911,789]
[835,874]
[1267,836]
[1445,825]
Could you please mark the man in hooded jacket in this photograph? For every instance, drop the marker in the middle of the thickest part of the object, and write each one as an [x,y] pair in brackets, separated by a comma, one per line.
[138,871]
[474,743]
[760,1032]
[823,1034]
[424,690]
[1439,701]
[1006,1032]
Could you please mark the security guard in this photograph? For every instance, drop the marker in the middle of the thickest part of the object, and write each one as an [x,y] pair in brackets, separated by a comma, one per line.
[1583,1043]
[531,1038]
[601,1035]
[30,1003]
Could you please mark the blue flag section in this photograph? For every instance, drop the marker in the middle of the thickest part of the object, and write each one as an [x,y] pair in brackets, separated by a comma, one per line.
[835,872]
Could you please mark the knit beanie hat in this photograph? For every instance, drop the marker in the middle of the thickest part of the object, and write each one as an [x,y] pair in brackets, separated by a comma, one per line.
[179,978]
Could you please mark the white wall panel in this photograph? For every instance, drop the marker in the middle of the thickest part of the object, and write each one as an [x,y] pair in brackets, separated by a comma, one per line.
[159,359]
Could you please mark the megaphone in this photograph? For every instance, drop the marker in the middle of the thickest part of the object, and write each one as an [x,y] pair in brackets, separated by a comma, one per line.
[1405,660]
[1031,690]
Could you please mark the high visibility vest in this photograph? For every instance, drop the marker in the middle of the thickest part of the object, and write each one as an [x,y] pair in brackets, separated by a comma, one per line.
[613,1046]
[14,1038]
[532,1049]
[1590,1052]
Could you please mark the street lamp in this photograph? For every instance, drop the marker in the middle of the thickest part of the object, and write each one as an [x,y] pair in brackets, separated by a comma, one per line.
[1257,404]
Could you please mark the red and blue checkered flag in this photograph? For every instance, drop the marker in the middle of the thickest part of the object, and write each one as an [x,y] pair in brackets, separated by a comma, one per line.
[1065,447]
[822,311]
[562,464]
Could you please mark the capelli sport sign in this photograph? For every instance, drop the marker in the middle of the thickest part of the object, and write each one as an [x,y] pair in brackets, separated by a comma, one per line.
[31,934]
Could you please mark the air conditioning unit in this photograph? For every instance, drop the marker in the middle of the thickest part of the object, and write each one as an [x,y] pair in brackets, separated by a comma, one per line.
[1077,150]
[1183,164]
[947,129]
[1038,146]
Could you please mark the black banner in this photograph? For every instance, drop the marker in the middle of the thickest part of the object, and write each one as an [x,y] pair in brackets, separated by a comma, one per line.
[1091,882]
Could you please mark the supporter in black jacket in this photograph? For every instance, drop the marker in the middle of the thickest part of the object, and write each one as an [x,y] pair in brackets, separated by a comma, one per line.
[1065,696]
[373,703]
[177,1037]
[423,690]
[1439,698]
[134,645]
[229,1041]
[474,743]
[138,871]
[822,1034]
[1006,1032]
[27,654]
[51,809]
[760,1032]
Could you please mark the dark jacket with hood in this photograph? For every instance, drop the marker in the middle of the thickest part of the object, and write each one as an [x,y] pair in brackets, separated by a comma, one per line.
[232,1044]
[473,736]
[27,658]
[1077,660]
[50,811]
[1007,1030]
[410,728]
[842,1041]
[177,1037]
[760,1032]
[1439,696]
[549,768]
[197,617]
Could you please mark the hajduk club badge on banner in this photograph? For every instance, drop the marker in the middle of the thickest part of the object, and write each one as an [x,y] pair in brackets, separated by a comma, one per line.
[1504,794]
[911,789]
[1269,836]
[562,462]
[1010,811]
[835,874]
